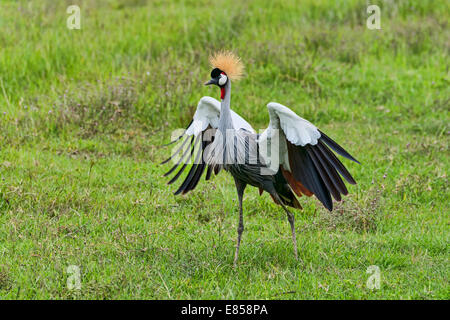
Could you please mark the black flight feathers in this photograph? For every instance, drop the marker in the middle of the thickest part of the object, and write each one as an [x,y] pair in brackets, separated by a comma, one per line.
[333,145]
[316,167]
[194,156]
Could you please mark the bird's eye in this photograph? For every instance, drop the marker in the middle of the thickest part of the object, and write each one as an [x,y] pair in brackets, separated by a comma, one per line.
[223,79]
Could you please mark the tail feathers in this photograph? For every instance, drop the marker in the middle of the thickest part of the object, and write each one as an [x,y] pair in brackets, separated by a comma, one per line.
[284,192]
[291,202]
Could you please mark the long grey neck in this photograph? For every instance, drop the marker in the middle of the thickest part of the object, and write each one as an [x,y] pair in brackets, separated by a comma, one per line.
[225,121]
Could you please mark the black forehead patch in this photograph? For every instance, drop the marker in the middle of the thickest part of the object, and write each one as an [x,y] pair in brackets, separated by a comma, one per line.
[215,72]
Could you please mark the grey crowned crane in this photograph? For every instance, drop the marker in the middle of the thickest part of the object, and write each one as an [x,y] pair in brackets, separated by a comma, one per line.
[300,162]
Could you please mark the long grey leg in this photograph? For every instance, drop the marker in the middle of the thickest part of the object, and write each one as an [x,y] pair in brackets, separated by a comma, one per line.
[294,239]
[291,222]
[240,187]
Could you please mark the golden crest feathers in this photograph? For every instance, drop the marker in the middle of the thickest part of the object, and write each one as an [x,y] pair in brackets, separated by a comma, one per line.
[229,63]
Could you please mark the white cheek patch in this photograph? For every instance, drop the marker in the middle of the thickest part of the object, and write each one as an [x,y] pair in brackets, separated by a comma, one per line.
[223,79]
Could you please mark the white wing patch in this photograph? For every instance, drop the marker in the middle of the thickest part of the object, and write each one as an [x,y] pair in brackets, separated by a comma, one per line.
[208,113]
[298,131]
[284,125]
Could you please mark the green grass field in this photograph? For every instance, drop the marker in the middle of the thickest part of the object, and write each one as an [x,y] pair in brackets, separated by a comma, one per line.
[83,114]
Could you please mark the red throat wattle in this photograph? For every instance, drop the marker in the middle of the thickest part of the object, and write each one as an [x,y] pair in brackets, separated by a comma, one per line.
[222,93]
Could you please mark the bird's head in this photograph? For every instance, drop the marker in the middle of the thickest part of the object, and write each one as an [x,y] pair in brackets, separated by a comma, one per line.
[226,66]
[218,77]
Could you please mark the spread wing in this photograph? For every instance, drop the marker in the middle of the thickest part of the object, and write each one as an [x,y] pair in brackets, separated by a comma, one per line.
[193,142]
[305,157]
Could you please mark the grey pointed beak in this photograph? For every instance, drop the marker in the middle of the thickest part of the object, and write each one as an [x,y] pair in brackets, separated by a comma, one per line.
[212,81]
